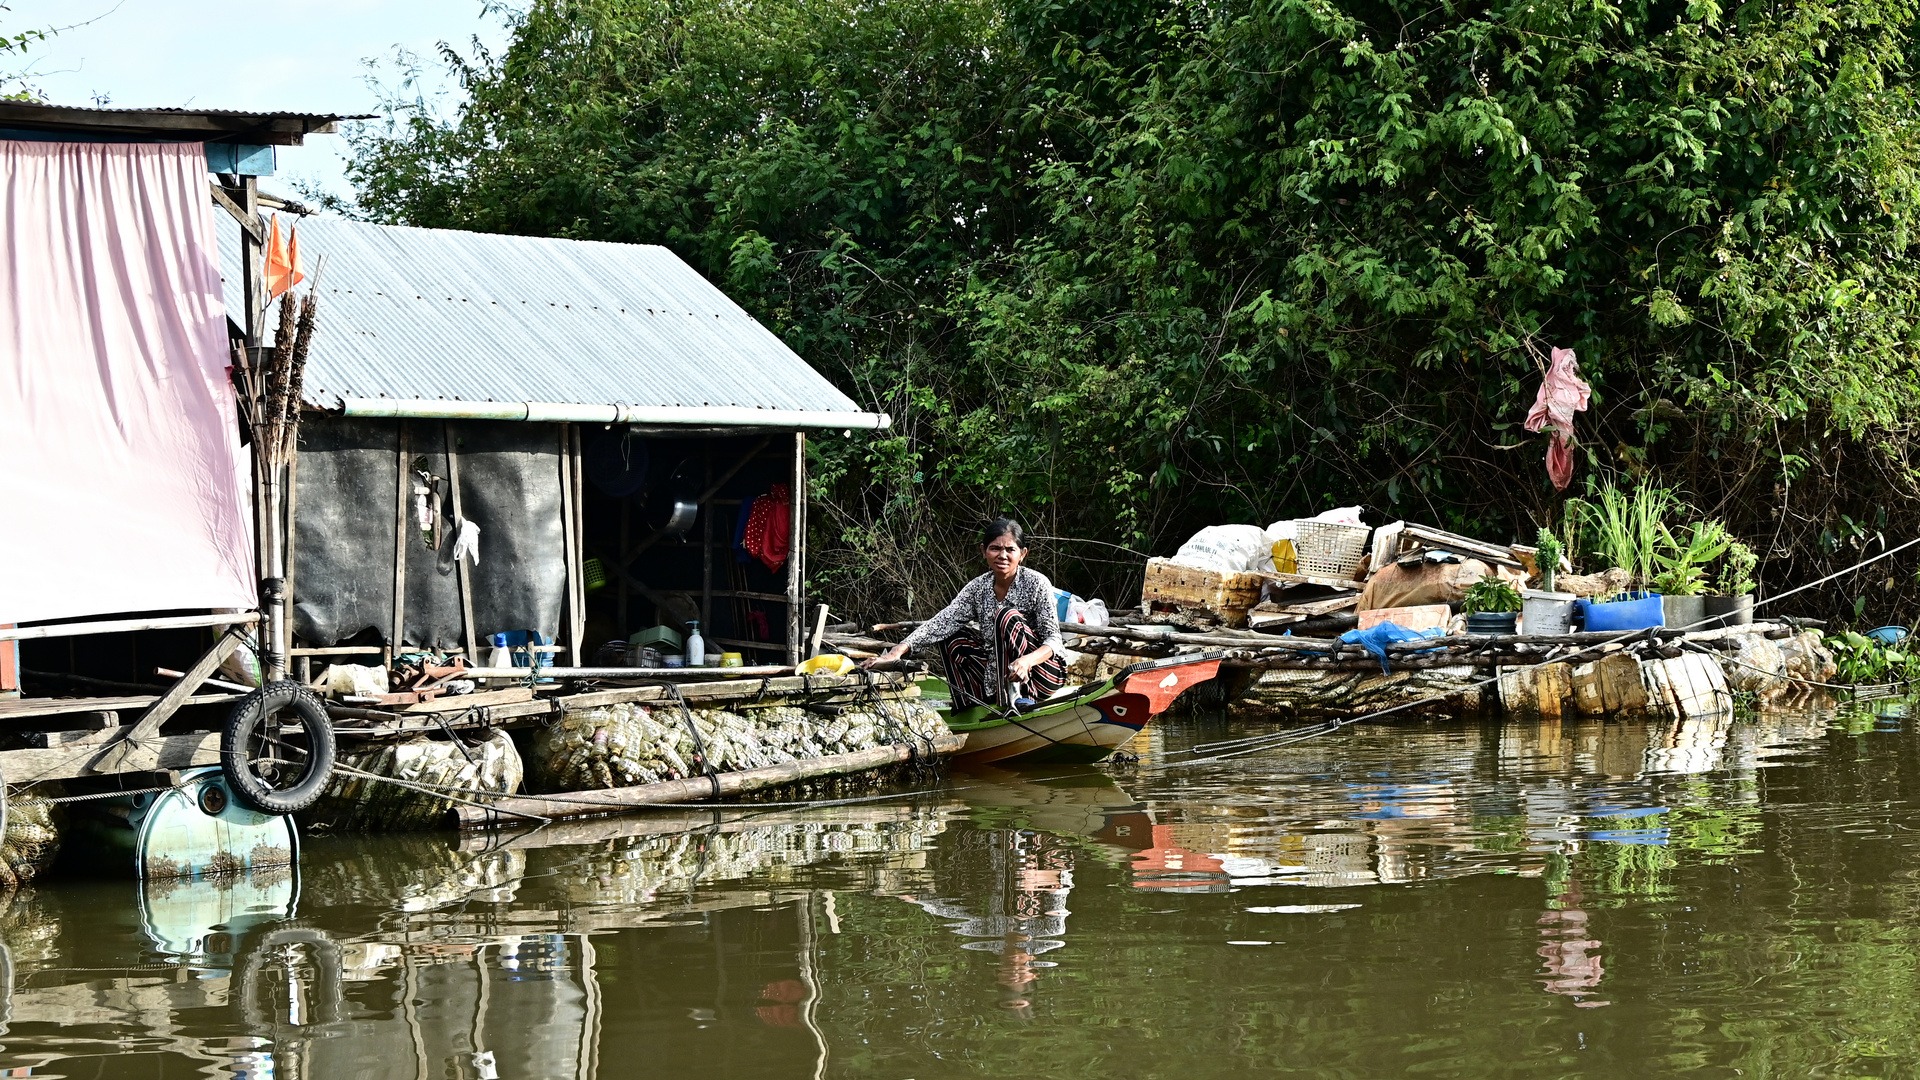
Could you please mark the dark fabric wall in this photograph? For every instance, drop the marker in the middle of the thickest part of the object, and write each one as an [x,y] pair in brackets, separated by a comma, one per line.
[344,530]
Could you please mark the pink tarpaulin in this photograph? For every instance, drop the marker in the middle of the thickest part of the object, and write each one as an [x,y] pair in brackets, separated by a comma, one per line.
[122,477]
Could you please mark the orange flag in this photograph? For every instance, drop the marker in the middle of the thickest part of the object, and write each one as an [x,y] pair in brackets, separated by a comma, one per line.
[282,269]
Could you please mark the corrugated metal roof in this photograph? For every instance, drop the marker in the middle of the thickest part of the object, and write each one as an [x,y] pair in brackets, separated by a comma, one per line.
[435,314]
[196,125]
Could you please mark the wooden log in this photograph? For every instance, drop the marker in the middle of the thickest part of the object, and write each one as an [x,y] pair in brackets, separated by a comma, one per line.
[1537,692]
[1285,693]
[694,789]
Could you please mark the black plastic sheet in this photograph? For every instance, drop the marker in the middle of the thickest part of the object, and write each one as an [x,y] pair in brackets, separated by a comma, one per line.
[345,521]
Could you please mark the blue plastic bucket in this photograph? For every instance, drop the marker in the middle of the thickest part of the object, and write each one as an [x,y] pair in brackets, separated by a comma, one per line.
[1636,614]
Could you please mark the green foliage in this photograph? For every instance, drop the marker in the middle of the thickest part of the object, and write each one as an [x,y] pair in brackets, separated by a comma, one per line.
[1624,528]
[1736,572]
[1861,659]
[1547,555]
[15,84]
[1490,595]
[1128,269]
[1683,562]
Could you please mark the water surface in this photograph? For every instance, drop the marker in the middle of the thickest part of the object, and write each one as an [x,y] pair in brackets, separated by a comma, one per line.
[1455,898]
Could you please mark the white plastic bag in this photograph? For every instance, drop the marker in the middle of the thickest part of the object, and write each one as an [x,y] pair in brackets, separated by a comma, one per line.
[1087,612]
[355,680]
[1227,549]
[1345,515]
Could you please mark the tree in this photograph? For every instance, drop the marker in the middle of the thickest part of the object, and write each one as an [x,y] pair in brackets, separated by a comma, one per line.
[1129,269]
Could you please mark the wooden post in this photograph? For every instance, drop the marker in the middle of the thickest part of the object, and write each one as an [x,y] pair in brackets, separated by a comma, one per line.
[580,537]
[402,487]
[460,565]
[706,540]
[570,609]
[287,555]
[797,551]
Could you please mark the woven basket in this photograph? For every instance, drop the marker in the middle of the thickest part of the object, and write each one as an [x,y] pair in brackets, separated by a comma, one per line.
[1328,549]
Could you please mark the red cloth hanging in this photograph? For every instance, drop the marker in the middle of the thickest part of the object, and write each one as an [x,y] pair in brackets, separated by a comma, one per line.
[1562,393]
[770,528]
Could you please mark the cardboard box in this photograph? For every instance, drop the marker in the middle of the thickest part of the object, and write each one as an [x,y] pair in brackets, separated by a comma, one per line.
[1423,617]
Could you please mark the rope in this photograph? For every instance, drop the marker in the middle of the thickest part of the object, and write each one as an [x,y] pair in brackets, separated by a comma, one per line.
[1856,687]
[90,798]
[1286,738]
[427,789]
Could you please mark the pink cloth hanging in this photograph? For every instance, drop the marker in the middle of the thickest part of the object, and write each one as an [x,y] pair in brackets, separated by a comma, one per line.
[1562,393]
[121,468]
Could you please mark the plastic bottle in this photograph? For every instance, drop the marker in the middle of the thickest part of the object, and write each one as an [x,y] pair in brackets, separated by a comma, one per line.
[696,646]
[501,656]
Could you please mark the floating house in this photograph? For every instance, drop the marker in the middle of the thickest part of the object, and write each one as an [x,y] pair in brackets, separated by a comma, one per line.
[603,414]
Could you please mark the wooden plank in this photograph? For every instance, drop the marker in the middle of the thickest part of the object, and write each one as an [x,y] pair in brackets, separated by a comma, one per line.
[511,810]
[1427,536]
[797,552]
[1259,619]
[69,762]
[132,752]
[255,228]
[460,565]
[459,702]
[122,626]
[1305,579]
[29,708]
[286,548]
[402,488]
[1320,607]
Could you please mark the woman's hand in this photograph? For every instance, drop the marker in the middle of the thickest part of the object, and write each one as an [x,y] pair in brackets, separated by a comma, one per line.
[894,653]
[1021,666]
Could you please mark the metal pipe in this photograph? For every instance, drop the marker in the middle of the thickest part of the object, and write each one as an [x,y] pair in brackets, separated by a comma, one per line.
[555,412]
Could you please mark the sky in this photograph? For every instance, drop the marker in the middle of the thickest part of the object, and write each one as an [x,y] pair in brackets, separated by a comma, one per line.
[292,56]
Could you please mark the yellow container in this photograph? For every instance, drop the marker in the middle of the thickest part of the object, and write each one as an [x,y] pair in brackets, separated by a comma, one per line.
[827,664]
[732,659]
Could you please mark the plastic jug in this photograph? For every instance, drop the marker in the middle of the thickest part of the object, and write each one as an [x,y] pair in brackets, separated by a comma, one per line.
[696,646]
[500,656]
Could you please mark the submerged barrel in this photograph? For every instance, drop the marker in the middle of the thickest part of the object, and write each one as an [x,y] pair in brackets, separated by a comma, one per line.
[195,828]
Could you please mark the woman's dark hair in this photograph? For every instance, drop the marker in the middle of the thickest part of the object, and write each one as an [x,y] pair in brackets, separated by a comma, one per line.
[1003,526]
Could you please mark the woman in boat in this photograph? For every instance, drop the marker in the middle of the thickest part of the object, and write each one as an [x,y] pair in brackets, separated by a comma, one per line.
[1003,625]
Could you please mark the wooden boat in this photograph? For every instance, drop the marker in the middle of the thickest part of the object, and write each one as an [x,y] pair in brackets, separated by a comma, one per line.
[1081,724]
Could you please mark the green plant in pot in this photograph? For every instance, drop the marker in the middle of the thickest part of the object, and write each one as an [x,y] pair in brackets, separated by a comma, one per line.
[1682,577]
[1731,602]
[1546,556]
[1491,606]
[1624,528]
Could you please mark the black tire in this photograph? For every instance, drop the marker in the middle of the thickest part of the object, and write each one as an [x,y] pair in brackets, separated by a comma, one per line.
[251,745]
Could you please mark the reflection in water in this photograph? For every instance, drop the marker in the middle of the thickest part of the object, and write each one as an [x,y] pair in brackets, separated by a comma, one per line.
[1458,898]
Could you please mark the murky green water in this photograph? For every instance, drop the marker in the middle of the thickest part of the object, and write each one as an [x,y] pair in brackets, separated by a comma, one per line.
[1451,899]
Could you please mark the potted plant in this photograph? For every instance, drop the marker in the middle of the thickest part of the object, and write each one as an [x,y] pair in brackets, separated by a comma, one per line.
[1542,610]
[1546,556]
[1682,578]
[1491,606]
[1732,605]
